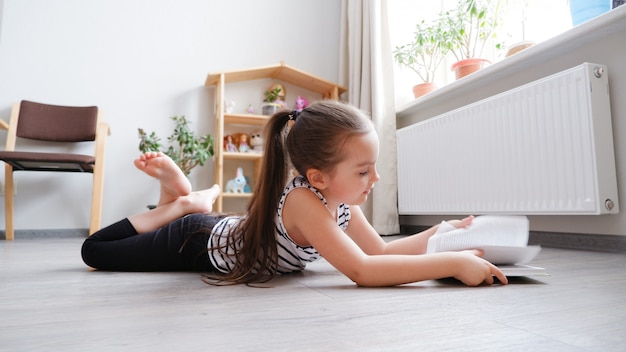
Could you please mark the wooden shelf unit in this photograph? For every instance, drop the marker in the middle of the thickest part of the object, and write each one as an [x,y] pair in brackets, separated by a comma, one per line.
[279,73]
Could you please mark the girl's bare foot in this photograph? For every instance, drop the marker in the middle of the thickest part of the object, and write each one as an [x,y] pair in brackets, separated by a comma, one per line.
[194,202]
[160,166]
[202,201]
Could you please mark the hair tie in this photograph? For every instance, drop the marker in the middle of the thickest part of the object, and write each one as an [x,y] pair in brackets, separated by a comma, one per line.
[294,115]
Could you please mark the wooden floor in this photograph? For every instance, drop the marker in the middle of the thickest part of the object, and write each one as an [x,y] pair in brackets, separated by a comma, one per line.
[50,301]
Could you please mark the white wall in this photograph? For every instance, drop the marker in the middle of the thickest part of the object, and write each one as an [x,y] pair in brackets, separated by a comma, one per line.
[142,61]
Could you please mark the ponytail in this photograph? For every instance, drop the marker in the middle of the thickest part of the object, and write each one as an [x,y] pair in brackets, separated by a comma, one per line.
[274,168]
[258,255]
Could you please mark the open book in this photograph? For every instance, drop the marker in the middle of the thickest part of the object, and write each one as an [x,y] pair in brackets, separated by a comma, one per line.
[503,239]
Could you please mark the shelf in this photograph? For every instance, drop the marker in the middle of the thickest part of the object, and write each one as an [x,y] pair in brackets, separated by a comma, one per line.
[566,50]
[281,72]
[246,119]
[242,156]
[236,195]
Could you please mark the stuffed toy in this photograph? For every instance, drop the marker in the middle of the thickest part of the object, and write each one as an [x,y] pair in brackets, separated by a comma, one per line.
[237,184]
[256,141]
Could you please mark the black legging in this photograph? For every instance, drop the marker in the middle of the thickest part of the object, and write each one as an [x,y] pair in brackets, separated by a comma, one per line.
[178,246]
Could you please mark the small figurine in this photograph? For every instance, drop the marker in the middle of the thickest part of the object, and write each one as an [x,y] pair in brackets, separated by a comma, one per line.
[243,143]
[250,109]
[229,106]
[301,103]
[229,144]
[256,141]
[237,184]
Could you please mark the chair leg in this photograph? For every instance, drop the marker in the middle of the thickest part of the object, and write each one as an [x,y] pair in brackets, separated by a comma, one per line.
[96,201]
[8,202]
[102,132]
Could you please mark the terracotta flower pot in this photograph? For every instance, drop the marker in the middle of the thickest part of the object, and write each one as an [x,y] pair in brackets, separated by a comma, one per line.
[465,67]
[423,88]
[516,48]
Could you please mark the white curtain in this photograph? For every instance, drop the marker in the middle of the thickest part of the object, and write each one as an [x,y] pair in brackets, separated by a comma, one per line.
[366,69]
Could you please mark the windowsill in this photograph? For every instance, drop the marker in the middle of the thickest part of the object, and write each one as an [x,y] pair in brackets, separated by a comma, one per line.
[490,80]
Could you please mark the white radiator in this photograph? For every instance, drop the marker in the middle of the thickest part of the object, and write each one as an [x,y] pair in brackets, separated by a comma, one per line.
[542,148]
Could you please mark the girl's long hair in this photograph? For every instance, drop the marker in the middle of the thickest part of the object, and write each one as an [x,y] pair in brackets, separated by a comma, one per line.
[312,138]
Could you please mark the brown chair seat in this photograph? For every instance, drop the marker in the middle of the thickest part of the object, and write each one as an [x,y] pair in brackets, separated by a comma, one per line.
[36,161]
[59,125]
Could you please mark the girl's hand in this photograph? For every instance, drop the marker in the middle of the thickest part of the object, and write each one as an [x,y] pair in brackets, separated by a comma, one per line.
[463,223]
[474,270]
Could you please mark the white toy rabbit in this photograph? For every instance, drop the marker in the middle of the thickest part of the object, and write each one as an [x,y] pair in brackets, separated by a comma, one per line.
[237,184]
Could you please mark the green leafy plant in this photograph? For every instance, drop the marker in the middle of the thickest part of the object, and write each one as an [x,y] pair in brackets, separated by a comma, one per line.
[272,94]
[472,25]
[190,150]
[429,47]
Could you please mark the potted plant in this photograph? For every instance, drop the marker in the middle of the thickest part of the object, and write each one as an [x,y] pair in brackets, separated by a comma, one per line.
[190,150]
[425,53]
[473,25]
[273,99]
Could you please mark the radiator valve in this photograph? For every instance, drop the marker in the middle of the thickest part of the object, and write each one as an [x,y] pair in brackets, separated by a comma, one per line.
[598,71]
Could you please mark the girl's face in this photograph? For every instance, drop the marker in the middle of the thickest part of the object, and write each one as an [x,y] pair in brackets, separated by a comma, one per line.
[352,180]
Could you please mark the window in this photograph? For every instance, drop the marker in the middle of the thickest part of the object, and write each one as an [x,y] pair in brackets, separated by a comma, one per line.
[525,20]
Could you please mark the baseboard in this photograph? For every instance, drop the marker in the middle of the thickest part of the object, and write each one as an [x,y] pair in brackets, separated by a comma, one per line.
[591,242]
[47,233]
[594,242]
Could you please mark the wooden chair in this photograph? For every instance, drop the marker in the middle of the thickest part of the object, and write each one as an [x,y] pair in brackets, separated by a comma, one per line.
[59,124]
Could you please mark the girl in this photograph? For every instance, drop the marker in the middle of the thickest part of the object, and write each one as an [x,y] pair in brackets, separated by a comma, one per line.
[333,148]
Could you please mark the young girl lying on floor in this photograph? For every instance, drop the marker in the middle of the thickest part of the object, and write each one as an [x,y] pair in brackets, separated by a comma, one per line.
[289,222]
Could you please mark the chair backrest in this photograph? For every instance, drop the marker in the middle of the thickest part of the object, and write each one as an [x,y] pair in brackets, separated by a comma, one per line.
[56,123]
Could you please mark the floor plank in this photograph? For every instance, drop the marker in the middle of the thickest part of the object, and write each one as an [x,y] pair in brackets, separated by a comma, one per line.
[50,301]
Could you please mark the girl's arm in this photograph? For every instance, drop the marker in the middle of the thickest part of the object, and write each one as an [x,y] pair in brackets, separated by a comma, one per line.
[308,219]
[416,244]
[370,241]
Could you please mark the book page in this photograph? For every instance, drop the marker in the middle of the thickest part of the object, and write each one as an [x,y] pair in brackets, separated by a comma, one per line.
[486,230]
[522,270]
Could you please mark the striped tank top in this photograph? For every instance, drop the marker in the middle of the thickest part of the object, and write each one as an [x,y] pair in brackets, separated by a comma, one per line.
[291,256]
